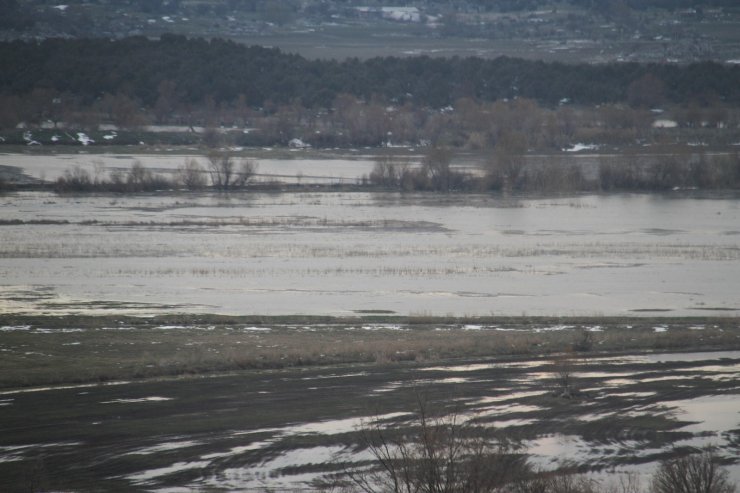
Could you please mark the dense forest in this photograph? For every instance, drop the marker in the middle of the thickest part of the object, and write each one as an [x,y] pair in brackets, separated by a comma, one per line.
[196,70]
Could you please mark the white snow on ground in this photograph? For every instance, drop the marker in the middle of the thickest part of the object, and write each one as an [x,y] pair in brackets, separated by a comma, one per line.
[84,139]
[298,144]
[142,399]
[581,147]
[402,14]
[13,328]
[28,137]
[663,123]
[62,387]
[165,447]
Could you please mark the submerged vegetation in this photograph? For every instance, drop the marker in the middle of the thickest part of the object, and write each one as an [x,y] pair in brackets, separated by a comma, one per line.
[224,172]
[509,171]
[505,173]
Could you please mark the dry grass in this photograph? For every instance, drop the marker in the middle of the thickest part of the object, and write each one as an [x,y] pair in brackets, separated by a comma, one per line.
[99,349]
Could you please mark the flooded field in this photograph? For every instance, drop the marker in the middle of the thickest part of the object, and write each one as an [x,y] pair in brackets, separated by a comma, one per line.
[343,253]
[311,166]
[345,168]
[125,364]
[287,429]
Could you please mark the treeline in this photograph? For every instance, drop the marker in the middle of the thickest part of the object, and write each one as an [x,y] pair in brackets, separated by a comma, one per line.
[505,171]
[175,69]
[508,171]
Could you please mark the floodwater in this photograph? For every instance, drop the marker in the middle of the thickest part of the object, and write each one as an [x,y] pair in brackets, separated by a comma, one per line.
[302,166]
[305,169]
[342,253]
[266,430]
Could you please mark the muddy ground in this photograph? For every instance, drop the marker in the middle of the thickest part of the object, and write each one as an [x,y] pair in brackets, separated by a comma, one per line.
[286,429]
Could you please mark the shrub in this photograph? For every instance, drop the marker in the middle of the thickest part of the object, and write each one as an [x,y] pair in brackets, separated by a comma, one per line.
[191,175]
[386,172]
[76,179]
[556,483]
[227,172]
[440,455]
[137,179]
[696,473]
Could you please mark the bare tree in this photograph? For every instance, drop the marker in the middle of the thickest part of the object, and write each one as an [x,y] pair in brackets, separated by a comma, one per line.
[222,168]
[507,162]
[138,176]
[167,100]
[120,109]
[227,172]
[247,169]
[563,370]
[696,473]
[387,171]
[440,455]
[627,483]
[191,175]
[436,164]
[557,483]
[75,179]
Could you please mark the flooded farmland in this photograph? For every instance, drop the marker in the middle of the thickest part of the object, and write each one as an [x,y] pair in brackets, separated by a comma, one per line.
[89,396]
[344,253]
[289,429]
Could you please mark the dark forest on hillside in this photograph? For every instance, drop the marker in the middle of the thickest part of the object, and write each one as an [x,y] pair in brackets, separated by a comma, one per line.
[197,70]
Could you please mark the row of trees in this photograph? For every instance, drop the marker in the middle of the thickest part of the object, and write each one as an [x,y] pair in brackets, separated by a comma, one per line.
[222,172]
[508,170]
[351,122]
[193,70]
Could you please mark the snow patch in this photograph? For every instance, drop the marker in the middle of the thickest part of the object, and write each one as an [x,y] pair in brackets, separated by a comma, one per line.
[28,137]
[14,328]
[165,447]
[581,147]
[663,123]
[298,144]
[83,139]
[257,329]
[142,399]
